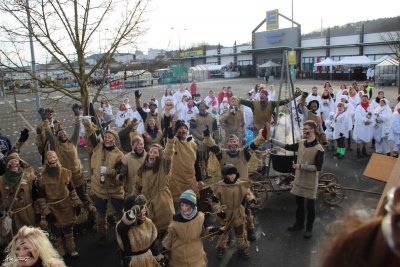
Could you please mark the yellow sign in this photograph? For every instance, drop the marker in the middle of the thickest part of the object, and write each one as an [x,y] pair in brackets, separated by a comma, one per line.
[292,57]
[272,20]
[191,53]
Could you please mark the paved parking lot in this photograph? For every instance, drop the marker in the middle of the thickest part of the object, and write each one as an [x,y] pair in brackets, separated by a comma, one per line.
[276,246]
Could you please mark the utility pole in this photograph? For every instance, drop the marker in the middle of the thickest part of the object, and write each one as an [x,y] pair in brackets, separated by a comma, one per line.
[35,82]
[179,53]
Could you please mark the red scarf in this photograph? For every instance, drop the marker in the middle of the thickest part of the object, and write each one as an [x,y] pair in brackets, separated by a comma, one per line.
[365,105]
[398,110]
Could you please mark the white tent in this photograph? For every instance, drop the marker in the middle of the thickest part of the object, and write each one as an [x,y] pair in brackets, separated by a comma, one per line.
[381,59]
[269,64]
[215,67]
[356,60]
[326,62]
[388,62]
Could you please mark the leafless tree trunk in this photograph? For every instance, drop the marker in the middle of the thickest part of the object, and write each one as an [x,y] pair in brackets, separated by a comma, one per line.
[392,38]
[65,29]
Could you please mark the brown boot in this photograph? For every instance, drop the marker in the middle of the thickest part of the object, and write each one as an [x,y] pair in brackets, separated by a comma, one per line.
[102,226]
[58,245]
[70,245]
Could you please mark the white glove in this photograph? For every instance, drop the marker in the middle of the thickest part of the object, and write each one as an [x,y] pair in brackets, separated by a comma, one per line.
[103,170]
[86,119]
[1,156]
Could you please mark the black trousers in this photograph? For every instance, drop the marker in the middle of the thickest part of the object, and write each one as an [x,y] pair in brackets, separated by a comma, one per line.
[300,213]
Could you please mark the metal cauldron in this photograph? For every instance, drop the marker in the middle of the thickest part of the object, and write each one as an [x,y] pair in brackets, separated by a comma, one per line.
[283,163]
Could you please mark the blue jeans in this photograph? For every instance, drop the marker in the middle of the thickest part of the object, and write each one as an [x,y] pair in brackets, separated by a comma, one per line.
[101,205]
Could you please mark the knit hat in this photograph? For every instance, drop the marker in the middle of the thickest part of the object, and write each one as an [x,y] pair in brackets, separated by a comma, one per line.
[152,120]
[331,113]
[202,103]
[110,131]
[133,200]
[152,103]
[179,124]
[188,197]
[345,97]
[229,169]
[11,151]
[59,130]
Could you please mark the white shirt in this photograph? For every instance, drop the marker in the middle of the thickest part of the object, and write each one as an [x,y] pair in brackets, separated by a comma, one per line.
[187,114]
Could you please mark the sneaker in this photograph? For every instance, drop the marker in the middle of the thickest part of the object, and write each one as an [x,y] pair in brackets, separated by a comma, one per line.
[336,154]
[244,254]
[308,234]
[251,235]
[295,227]
[340,156]
[74,254]
[220,253]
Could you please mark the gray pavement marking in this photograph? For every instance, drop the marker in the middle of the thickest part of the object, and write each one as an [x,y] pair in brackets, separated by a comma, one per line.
[22,117]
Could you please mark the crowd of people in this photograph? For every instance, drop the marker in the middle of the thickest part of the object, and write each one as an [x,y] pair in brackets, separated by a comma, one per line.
[354,115]
[153,168]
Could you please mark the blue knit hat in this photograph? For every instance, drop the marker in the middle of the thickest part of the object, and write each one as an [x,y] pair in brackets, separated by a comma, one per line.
[188,197]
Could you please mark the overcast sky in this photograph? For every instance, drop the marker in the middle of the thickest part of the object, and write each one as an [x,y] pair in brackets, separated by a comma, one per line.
[227,21]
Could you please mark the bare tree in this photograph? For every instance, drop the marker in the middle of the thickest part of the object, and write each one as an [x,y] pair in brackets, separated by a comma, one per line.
[65,29]
[392,38]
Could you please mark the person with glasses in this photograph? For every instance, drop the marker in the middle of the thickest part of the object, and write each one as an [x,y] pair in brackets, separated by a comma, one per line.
[310,157]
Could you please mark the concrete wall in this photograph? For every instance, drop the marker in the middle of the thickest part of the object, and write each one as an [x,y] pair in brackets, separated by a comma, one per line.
[312,42]
[348,51]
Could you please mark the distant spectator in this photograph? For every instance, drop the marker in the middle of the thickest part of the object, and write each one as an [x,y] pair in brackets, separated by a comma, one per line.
[193,88]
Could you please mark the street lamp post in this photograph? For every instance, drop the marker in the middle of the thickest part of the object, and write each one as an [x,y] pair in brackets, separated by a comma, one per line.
[100,30]
[35,82]
[179,52]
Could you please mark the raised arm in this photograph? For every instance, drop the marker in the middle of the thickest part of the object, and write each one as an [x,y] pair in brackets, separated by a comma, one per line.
[248,103]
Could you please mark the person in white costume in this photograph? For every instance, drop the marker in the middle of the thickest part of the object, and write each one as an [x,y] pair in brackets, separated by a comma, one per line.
[327,106]
[189,112]
[271,93]
[314,96]
[364,126]
[395,132]
[341,130]
[330,125]
[168,96]
[383,120]
[140,128]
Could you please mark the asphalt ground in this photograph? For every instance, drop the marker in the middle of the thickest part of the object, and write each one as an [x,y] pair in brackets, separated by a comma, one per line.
[275,245]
